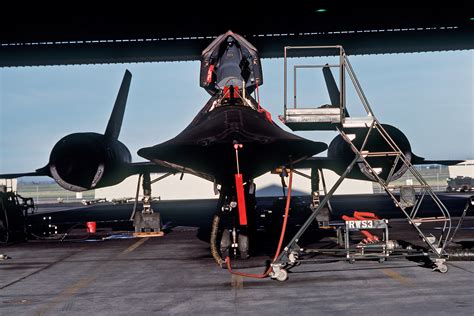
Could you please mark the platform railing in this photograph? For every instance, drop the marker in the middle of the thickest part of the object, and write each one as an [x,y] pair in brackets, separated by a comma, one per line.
[341,66]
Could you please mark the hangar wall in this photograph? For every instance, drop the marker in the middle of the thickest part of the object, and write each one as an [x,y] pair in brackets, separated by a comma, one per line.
[464,169]
[192,187]
[9,183]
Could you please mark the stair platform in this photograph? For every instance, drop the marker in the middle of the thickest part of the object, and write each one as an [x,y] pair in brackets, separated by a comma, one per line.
[310,119]
[358,122]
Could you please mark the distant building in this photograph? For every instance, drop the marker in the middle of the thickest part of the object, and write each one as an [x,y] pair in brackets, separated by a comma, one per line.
[463,169]
[8,184]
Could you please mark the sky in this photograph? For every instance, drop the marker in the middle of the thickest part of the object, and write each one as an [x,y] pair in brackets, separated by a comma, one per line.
[429,96]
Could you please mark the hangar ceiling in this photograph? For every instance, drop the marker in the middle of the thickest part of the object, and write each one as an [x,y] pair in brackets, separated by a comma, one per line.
[59,39]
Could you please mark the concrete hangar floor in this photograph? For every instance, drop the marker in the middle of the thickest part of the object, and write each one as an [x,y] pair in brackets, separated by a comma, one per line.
[176,274]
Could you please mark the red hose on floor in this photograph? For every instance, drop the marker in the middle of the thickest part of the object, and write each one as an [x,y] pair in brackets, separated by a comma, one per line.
[280,243]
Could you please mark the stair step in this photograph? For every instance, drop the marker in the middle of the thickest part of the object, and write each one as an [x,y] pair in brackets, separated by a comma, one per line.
[354,122]
[414,186]
[380,153]
[313,118]
[430,220]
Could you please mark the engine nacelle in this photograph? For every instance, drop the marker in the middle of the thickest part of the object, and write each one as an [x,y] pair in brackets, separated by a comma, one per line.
[85,161]
[340,150]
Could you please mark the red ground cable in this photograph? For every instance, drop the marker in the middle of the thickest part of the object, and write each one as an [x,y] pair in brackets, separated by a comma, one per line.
[280,243]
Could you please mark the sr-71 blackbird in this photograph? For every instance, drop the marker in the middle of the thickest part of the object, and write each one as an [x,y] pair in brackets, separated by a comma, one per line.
[230,142]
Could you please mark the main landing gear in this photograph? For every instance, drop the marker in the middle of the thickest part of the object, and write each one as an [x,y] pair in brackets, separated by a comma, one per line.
[147,221]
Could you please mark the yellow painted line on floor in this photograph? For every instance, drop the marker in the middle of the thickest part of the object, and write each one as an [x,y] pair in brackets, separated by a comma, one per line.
[396,276]
[135,246]
[237,282]
[66,294]
[84,282]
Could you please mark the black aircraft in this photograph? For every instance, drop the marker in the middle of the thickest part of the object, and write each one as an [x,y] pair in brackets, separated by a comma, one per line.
[230,142]
[230,71]
[86,161]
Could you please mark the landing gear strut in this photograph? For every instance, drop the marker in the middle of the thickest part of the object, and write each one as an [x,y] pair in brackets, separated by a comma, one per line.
[146,221]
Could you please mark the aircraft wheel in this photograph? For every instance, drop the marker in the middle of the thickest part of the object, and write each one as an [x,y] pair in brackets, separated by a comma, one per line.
[243,241]
[225,243]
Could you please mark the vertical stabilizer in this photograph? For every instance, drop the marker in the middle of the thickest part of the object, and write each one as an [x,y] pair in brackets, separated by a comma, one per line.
[116,118]
[333,90]
[331,85]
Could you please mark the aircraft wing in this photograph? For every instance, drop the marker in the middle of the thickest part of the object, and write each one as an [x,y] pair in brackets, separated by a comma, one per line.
[416,160]
[320,162]
[19,175]
[148,167]
[158,166]
[337,165]
[130,169]
[39,172]
[175,168]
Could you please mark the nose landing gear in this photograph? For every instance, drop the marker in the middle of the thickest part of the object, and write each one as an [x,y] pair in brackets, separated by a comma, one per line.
[234,240]
[228,237]
[234,243]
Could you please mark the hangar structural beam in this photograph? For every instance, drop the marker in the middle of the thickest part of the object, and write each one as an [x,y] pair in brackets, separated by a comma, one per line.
[175,36]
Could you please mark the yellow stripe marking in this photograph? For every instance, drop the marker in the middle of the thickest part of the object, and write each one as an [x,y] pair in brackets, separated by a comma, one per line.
[66,294]
[237,282]
[135,246]
[84,282]
[396,276]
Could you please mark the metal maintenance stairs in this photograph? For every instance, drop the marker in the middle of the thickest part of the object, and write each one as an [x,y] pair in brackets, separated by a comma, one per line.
[409,198]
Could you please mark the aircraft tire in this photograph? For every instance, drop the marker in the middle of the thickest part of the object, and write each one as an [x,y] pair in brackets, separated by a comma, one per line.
[243,241]
[225,243]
